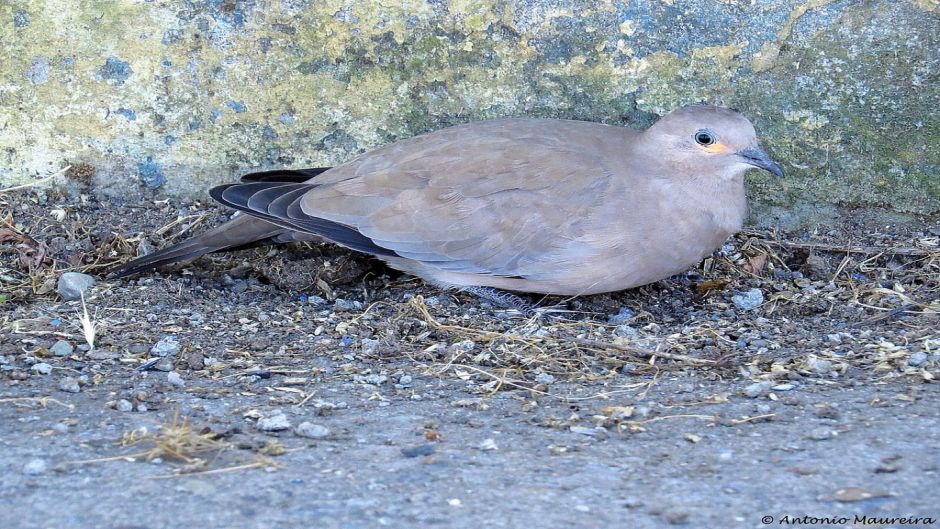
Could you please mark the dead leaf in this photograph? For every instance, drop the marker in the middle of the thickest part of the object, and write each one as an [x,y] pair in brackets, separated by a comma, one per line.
[755,265]
[707,286]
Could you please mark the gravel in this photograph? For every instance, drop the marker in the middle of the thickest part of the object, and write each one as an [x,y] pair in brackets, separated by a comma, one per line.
[310,430]
[124,405]
[61,348]
[41,368]
[175,379]
[72,285]
[274,423]
[35,467]
[623,316]
[748,300]
[758,389]
[917,359]
[69,385]
[164,364]
[167,346]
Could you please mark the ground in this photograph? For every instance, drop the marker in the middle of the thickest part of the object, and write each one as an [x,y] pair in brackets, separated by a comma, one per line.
[789,376]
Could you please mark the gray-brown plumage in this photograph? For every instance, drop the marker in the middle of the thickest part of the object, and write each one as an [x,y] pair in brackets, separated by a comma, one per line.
[529,205]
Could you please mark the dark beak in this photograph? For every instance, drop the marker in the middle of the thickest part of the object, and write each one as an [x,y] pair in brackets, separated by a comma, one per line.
[758,158]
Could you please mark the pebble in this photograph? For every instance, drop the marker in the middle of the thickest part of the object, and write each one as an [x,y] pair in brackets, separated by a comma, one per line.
[370,346]
[544,378]
[316,300]
[61,348]
[820,434]
[35,467]
[783,387]
[748,300]
[310,430]
[69,385]
[621,317]
[488,444]
[175,379]
[124,405]
[463,346]
[423,449]
[164,364]
[758,389]
[98,354]
[374,379]
[917,359]
[167,346]
[626,331]
[346,305]
[405,381]
[274,423]
[41,368]
[72,285]
[820,367]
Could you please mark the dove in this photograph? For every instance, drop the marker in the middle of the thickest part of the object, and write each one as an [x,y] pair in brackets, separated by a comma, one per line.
[529,205]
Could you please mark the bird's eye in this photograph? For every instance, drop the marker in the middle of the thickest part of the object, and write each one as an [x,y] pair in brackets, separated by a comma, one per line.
[705,138]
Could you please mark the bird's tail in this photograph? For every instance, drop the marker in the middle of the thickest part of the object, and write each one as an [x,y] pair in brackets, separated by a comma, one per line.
[240,233]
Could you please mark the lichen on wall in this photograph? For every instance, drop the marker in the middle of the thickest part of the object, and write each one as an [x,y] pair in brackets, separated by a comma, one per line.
[171,97]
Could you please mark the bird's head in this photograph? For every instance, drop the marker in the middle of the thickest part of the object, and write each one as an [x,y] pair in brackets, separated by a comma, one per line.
[709,140]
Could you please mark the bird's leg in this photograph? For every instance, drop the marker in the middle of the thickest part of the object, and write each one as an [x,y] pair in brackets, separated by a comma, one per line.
[504,299]
[686,279]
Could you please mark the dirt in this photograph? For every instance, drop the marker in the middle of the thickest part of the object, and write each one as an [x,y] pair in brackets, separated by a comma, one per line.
[307,386]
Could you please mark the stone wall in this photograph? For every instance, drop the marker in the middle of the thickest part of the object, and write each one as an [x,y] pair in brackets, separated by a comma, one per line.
[152,97]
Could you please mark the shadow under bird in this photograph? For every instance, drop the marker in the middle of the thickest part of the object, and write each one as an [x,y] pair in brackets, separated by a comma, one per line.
[526,205]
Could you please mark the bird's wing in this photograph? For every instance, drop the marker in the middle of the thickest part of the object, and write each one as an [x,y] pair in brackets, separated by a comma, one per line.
[509,198]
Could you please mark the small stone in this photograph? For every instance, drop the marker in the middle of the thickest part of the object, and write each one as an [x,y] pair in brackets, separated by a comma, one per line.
[311,431]
[69,385]
[35,467]
[164,364]
[748,300]
[167,346]
[623,316]
[626,331]
[175,379]
[820,367]
[488,444]
[72,285]
[405,381]
[676,517]
[99,354]
[544,378]
[463,346]
[758,389]
[423,449]
[316,300]
[917,359]
[124,405]
[835,338]
[41,368]
[346,305]
[826,411]
[817,268]
[195,360]
[374,379]
[274,423]
[783,387]
[820,434]
[370,346]
[61,348]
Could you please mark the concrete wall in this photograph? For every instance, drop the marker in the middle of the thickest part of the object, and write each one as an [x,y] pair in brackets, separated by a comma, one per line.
[152,97]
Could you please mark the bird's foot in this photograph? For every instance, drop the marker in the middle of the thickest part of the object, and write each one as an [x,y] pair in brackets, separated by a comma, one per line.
[686,279]
[504,299]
